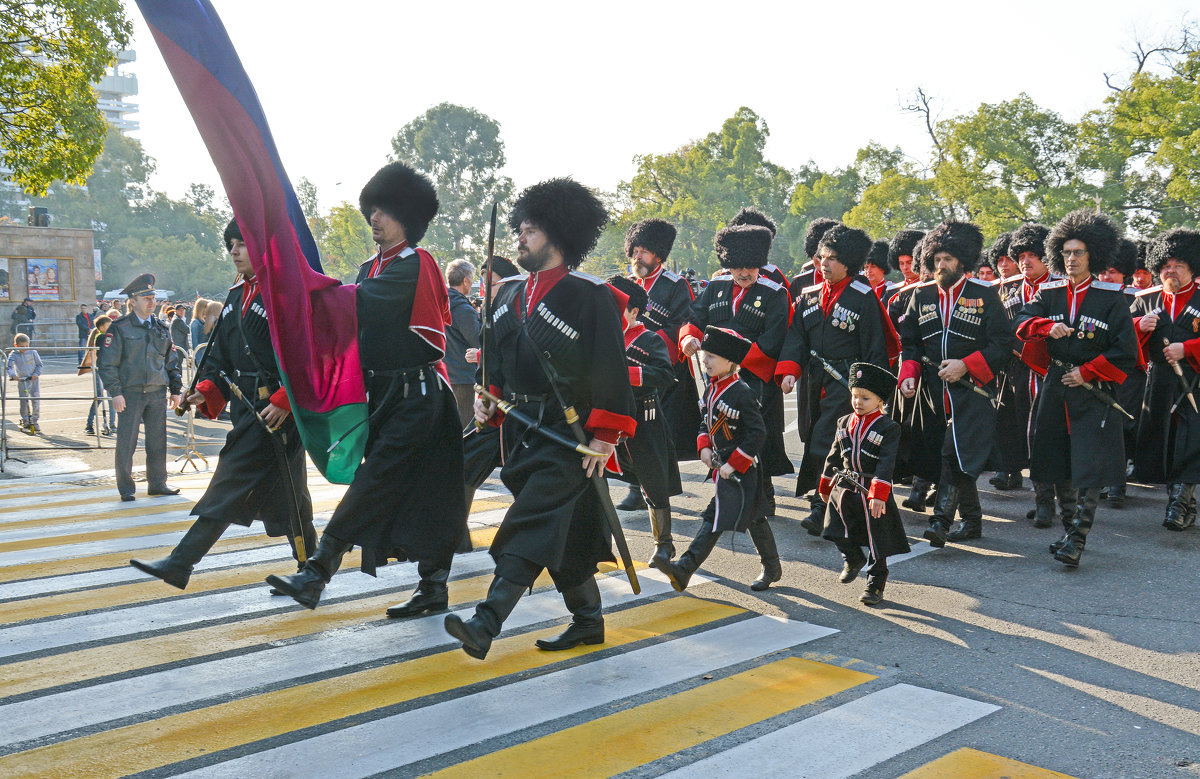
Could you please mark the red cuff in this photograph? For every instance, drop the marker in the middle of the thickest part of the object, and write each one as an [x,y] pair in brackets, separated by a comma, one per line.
[1191,350]
[759,364]
[1035,329]
[880,490]
[635,376]
[1036,356]
[601,423]
[786,368]
[498,418]
[909,369]
[740,461]
[1100,369]
[214,401]
[825,487]
[978,367]
[279,398]
[693,331]
[672,347]
[703,441]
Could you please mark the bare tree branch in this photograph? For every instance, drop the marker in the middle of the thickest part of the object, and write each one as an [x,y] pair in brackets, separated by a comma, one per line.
[921,104]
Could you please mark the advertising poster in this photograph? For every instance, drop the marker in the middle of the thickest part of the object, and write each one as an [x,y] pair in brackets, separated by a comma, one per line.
[43,278]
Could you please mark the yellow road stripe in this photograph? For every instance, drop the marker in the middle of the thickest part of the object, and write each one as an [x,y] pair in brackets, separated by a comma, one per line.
[12,573]
[54,504]
[189,735]
[968,763]
[151,589]
[634,737]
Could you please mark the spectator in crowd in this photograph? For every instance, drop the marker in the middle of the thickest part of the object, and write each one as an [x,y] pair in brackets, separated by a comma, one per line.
[178,321]
[204,319]
[463,334]
[83,324]
[22,318]
[24,367]
[85,366]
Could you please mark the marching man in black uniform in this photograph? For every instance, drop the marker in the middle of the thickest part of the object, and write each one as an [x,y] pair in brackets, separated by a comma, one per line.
[731,436]
[649,456]
[1169,442]
[406,500]
[956,338]
[556,346]
[835,324]
[857,482]
[756,309]
[141,371]
[1085,324]
[248,484]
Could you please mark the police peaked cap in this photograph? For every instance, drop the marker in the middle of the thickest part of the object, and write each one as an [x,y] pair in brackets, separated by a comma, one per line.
[570,215]
[1125,258]
[873,378]
[812,236]
[1029,237]
[1180,243]
[1097,231]
[752,216]
[653,235]
[903,244]
[232,231]
[877,255]
[632,290]
[743,246]
[961,240]
[403,194]
[850,244]
[142,285]
[725,343]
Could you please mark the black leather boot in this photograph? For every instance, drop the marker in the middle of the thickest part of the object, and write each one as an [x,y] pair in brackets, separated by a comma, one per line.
[1190,518]
[1116,496]
[680,572]
[853,561]
[1007,481]
[970,512]
[814,523]
[944,506]
[918,496]
[176,569]
[874,593]
[768,553]
[305,587]
[1179,497]
[768,489]
[660,528]
[1043,498]
[587,619]
[476,633]
[633,501]
[431,595]
[1070,552]
[1068,503]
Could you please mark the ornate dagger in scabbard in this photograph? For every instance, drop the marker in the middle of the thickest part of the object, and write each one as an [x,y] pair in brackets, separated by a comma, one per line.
[512,411]
[978,390]
[1091,387]
[1187,388]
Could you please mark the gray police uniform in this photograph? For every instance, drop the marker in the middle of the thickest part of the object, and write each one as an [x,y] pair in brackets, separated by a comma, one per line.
[136,360]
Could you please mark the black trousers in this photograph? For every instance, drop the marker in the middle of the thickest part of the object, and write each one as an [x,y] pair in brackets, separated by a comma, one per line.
[148,409]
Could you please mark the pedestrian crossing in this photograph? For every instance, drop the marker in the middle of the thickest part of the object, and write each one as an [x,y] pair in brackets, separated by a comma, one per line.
[106,672]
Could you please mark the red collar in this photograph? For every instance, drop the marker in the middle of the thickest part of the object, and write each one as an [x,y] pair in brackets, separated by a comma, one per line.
[954,291]
[632,332]
[831,291]
[716,388]
[382,258]
[1081,287]
[648,282]
[863,421]
[1179,299]
[540,283]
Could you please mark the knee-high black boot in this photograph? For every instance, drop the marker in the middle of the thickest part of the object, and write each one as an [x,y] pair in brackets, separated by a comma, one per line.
[680,571]
[632,501]
[814,523]
[431,596]
[1072,550]
[944,506]
[1179,500]
[176,569]
[660,527]
[305,586]
[1068,502]
[768,553]
[970,512]
[918,496]
[1043,499]
[476,633]
[587,618]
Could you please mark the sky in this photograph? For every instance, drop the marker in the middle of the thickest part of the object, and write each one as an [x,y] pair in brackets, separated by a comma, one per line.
[581,88]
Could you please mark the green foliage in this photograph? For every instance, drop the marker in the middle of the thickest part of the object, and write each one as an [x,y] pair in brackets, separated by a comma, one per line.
[460,150]
[51,52]
[346,242]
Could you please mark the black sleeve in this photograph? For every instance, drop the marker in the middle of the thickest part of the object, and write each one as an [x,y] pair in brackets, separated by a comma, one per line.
[999,332]
[656,362]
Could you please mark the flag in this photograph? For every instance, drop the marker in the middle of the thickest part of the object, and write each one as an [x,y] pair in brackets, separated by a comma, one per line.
[314,327]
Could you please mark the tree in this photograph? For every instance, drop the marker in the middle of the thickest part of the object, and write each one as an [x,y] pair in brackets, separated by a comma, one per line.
[306,193]
[51,52]
[180,264]
[461,151]
[346,243]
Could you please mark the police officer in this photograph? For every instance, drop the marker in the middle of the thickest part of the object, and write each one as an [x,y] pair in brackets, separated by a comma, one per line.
[140,368]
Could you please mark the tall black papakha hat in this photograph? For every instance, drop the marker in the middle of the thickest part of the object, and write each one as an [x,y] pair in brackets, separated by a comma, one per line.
[403,194]
[570,215]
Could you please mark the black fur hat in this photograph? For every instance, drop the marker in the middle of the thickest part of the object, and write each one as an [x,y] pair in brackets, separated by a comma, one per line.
[743,246]
[904,243]
[503,267]
[999,248]
[850,244]
[874,379]
[232,231]
[1099,233]
[752,216]
[816,230]
[1142,247]
[632,290]
[725,343]
[568,212]
[654,235]
[1180,243]
[403,194]
[962,240]
[1125,258]
[1029,237]
[985,261]
[878,255]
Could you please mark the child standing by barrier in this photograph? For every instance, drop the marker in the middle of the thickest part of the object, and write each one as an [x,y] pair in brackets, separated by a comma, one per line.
[25,366]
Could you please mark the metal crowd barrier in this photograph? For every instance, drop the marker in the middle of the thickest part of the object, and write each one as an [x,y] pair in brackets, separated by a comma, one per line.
[8,396]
